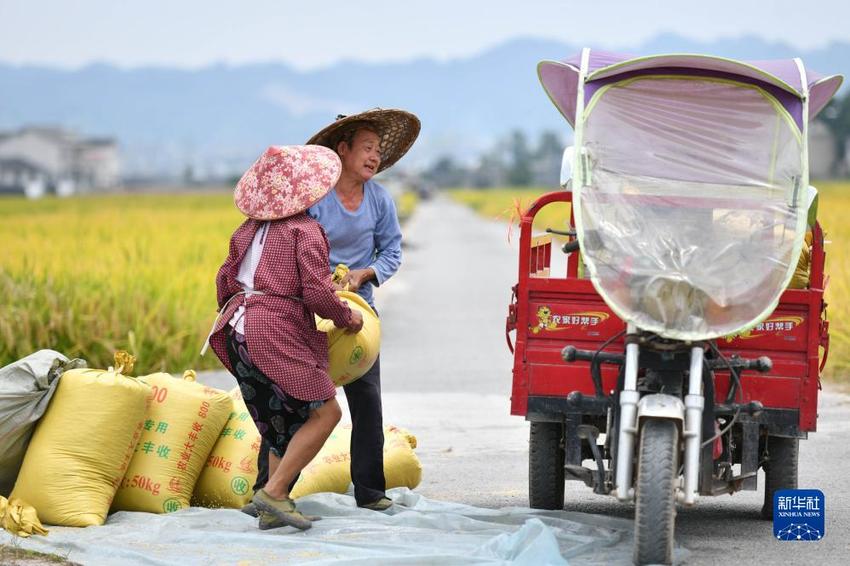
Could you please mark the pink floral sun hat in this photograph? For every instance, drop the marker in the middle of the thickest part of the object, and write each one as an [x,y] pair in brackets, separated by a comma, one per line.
[286,180]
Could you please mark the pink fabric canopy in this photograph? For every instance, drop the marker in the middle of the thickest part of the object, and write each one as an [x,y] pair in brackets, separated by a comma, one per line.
[780,77]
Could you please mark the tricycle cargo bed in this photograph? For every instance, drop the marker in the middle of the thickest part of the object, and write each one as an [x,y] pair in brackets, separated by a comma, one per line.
[550,313]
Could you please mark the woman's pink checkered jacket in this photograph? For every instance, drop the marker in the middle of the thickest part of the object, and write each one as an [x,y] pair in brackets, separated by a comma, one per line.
[280,329]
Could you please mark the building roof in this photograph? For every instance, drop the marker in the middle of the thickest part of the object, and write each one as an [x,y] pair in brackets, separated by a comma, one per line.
[18,164]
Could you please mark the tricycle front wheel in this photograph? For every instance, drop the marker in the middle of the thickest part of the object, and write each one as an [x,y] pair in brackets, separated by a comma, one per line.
[780,470]
[546,465]
[655,509]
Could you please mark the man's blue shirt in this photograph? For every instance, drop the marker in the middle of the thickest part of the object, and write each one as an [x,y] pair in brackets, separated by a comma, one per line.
[367,237]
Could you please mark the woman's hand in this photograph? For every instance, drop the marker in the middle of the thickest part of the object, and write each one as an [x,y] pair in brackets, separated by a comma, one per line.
[356,323]
[356,278]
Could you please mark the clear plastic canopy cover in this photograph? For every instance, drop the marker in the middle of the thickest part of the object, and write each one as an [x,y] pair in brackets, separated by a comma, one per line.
[691,206]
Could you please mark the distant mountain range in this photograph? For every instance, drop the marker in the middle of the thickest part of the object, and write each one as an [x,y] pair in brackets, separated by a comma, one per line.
[217,119]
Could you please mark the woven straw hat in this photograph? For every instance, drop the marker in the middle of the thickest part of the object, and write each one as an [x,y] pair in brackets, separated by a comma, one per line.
[286,180]
[398,130]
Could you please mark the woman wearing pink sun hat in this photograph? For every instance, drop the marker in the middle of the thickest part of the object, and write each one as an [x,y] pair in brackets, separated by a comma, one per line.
[273,282]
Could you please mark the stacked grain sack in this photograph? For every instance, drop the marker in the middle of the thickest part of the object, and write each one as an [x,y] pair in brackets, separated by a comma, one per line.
[330,470]
[83,444]
[231,468]
[800,279]
[180,428]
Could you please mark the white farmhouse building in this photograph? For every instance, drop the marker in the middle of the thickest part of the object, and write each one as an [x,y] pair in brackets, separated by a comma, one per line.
[39,160]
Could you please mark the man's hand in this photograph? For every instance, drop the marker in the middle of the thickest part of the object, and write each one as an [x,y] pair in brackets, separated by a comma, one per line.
[356,322]
[357,277]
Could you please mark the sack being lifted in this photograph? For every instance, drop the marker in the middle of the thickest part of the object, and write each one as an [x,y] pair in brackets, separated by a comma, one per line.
[350,356]
[330,470]
[178,432]
[82,445]
[231,468]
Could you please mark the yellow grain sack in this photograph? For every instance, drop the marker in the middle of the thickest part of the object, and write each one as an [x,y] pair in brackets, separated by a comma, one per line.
[183,422]
[352,355]
[82,447]
[330,470]
[800,279]
[231,468]
[401,466]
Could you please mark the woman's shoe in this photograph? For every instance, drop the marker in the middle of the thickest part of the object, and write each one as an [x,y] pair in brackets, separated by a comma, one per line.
[281,509]
[269,521]
[251,509]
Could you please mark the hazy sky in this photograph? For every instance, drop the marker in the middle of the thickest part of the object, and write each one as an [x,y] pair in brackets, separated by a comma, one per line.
[308,34]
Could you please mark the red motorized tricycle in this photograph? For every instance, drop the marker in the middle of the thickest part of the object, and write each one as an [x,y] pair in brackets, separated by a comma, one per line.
[681,349]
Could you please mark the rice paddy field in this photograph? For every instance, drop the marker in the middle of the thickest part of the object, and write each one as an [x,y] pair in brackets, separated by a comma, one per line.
[90,275]
[833,214]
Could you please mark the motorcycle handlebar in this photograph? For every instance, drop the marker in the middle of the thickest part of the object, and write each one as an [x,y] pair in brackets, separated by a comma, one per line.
[762,364]
[570,247]
[571,354]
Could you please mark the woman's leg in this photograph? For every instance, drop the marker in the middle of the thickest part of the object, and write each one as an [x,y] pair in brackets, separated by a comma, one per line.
[303,447]
[274,462]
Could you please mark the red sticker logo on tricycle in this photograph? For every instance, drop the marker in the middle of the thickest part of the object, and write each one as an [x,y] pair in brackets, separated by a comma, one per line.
[772,325]
[546,321]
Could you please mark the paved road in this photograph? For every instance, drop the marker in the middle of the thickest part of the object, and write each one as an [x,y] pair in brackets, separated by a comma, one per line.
[446,377]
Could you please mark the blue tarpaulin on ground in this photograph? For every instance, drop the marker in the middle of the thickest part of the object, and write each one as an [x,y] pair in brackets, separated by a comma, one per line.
[416,531]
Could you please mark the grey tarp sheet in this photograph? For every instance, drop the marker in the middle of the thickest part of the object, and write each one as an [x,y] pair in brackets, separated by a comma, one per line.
[25,391]
[423,531]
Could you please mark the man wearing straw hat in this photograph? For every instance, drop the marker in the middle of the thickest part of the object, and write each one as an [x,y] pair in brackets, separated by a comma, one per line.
[361,223]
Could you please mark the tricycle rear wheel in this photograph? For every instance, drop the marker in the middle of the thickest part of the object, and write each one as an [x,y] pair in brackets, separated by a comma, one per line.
[655,509]
[546,465]
[780,470]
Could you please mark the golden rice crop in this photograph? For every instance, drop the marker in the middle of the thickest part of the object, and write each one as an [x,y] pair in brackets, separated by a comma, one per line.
[833,212]
[89,275]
